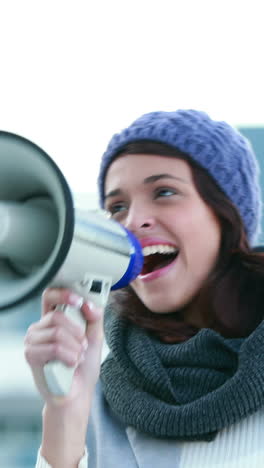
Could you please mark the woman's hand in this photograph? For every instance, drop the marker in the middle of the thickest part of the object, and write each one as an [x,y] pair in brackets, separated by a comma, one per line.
[56,337]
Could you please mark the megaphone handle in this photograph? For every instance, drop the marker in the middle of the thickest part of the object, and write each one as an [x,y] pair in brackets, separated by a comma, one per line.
[58,375]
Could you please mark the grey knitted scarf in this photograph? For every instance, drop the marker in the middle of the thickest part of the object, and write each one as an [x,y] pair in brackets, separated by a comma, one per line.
[186,391]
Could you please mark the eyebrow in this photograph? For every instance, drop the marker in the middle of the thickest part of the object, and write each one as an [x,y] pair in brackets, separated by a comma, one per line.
[156,177]
[148,180]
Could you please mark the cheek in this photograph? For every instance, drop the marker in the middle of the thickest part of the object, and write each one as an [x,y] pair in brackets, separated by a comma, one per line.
[200,233]
[207,246]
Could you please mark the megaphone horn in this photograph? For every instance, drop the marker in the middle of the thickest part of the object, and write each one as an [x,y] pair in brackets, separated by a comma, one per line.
[31,184]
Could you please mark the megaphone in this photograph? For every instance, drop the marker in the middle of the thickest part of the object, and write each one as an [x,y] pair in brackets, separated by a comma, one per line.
[44,241]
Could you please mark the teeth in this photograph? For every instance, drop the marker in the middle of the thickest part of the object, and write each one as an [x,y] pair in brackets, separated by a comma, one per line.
[161,249]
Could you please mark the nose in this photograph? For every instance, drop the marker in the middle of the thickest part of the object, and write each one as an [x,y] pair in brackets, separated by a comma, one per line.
[139,219]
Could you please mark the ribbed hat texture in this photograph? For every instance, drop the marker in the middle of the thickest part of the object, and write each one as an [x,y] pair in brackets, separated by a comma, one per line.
[214,145]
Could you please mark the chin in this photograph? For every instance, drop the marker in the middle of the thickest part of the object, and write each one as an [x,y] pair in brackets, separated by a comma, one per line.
[159,307]
[163,303]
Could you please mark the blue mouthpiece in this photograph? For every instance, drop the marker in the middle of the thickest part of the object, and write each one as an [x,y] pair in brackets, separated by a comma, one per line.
[135,264]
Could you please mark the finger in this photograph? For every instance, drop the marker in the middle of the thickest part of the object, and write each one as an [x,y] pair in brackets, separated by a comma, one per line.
[39,355]
[55,335]
[51,297]
[94,317]
[57,319]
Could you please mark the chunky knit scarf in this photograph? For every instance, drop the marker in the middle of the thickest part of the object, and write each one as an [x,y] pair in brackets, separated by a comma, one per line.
[186,391]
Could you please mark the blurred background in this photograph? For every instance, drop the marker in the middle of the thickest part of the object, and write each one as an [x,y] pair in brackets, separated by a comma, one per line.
[74,73]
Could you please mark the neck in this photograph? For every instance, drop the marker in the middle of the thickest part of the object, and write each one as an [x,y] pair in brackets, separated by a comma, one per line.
[198,313]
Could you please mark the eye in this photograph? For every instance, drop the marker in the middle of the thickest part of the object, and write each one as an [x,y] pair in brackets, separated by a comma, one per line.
[116,209]
[165,192]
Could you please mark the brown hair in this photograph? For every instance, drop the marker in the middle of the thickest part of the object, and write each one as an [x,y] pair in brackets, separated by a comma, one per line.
[231,301]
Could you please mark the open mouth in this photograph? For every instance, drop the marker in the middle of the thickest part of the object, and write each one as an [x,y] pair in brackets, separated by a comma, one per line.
[157,257]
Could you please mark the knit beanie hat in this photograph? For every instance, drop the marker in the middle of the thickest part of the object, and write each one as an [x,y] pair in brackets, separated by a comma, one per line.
[214,145]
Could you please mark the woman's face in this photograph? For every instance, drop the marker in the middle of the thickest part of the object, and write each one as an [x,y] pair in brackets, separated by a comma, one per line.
[155,198]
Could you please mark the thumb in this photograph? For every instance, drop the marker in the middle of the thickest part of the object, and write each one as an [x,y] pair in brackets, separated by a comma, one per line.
[94,315]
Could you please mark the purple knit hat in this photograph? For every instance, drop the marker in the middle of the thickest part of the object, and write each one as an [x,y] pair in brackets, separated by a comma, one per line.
[214,145]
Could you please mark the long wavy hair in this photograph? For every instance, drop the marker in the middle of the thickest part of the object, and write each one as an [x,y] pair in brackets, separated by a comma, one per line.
[232,299]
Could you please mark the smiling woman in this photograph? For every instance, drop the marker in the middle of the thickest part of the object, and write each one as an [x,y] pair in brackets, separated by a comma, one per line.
[219,290]
[186,337]
[165,210]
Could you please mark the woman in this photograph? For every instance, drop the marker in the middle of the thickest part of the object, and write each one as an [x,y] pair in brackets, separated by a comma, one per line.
[183,384]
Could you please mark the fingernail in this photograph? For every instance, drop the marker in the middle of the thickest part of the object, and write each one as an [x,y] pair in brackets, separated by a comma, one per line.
[94,306]
[85,344]
[82,357]
[76,300]
[90,304]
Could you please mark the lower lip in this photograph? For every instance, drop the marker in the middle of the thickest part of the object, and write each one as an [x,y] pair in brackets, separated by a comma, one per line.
[157,273]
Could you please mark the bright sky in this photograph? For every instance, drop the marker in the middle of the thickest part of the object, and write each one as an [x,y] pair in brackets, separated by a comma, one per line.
[72,73]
